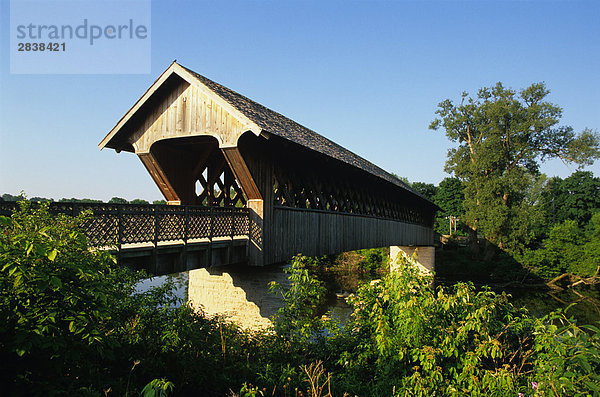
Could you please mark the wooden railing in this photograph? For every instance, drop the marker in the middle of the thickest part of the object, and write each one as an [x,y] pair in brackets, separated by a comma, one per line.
[112,225]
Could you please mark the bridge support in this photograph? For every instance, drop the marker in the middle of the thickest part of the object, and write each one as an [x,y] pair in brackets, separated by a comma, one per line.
[425,257]
[239,293]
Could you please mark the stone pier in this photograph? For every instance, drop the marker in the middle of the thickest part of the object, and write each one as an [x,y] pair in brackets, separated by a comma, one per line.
[239,293]
[424,257]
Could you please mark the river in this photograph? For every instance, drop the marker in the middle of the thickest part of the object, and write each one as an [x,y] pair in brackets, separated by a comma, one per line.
[582,303]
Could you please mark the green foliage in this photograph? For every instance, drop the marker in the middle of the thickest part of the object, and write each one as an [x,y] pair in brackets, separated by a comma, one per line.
[76,200]
[117,200]
[576,197]
[158,388]
[10,197]
[568,249]
[56,300]
[413,340]
[373,260]
[449,196]
[348,270]
[427,190]
[567,358]
[250,391]
[138,201]
[501,137]
[403,179]
[302,297]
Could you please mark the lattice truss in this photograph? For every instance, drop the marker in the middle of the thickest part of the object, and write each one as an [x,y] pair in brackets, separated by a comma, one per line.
[339,193]
[216,185]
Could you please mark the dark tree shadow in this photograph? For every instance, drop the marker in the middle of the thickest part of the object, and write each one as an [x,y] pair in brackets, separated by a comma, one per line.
[456,261]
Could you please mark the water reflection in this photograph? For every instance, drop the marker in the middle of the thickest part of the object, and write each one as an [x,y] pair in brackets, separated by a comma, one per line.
[337,309]
[581,303]
[179,280]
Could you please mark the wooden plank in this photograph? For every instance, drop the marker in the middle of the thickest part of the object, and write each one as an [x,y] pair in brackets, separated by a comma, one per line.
[320,233]
[159,177]
[149,92]
[242,173]
[247,124]
[185,111]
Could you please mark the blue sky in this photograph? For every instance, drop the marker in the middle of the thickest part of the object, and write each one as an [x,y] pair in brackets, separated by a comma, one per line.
[366,74]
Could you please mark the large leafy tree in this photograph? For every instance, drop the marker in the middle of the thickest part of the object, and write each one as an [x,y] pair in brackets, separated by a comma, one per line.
[501,137]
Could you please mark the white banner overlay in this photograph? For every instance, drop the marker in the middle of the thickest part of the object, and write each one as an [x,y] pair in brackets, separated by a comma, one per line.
[80,37]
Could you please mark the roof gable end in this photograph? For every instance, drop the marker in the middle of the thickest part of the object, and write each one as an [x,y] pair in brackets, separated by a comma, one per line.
[126,131]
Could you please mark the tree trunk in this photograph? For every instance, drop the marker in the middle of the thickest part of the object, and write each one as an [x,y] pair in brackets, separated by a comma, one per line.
[490,251]
[475,250]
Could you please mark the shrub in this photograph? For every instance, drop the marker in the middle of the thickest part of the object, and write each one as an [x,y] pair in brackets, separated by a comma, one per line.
[56,302]
[412,339]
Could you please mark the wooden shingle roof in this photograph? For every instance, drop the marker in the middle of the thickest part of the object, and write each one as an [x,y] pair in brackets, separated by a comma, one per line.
[281,126]
[258,118]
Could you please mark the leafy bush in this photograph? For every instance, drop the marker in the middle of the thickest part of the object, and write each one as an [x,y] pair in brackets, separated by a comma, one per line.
[567,358]
[411,339]
[72,322]
[296,320]
[56,302]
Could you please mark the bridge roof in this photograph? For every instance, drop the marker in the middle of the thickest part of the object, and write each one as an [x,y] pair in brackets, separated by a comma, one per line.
[268,122]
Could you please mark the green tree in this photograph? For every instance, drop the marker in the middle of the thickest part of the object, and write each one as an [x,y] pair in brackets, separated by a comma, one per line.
[76,200]
[38,199]
[501,137]
[450,196]
[117,200]
[427,190]
[10,197]
[138,201]
[568,248]
[302,297]
[403,179]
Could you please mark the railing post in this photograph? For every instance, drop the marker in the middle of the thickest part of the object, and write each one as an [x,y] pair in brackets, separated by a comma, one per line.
[183,257]
[119,227]
[248,221]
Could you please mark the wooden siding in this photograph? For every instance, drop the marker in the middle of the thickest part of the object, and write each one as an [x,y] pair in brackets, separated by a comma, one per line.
[186,111]
[312,233]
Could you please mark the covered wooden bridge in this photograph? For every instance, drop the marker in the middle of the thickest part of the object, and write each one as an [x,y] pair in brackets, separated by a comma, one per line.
[206,145]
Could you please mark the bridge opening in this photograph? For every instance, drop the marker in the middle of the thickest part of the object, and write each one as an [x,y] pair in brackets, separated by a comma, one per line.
[196,172]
